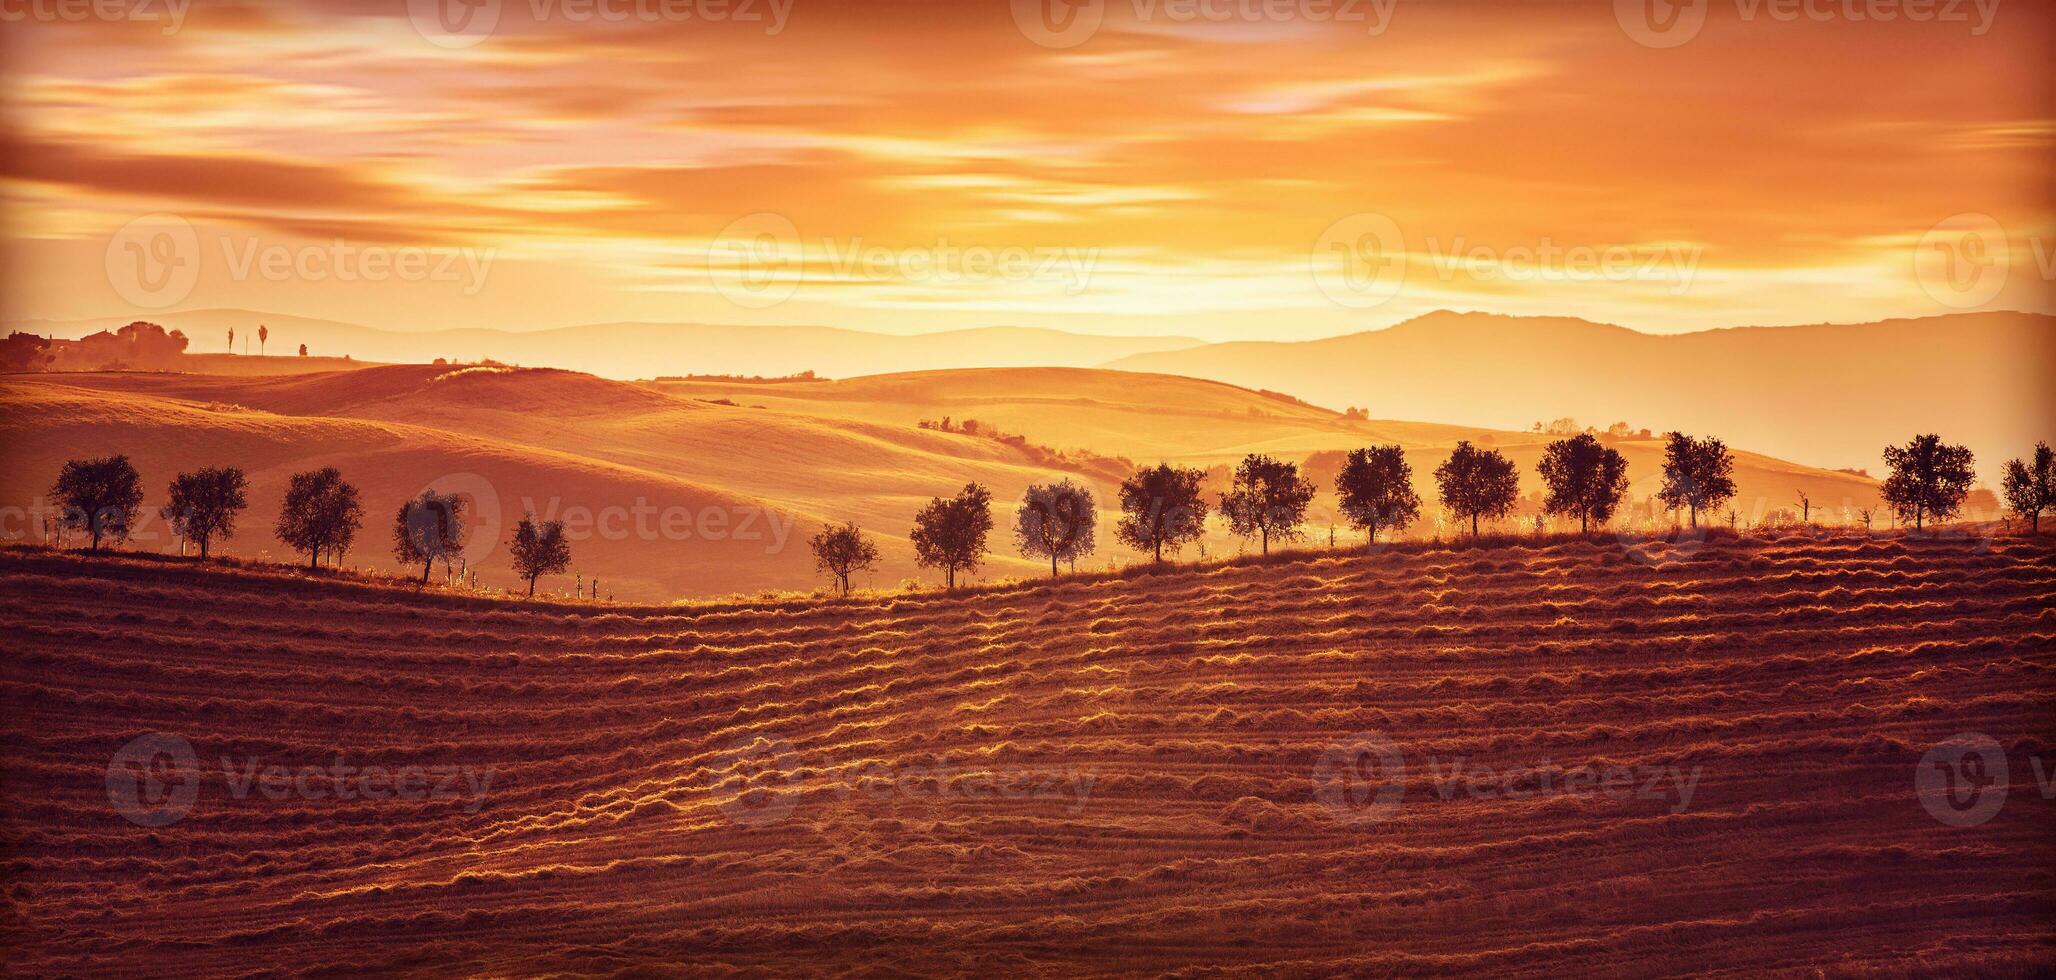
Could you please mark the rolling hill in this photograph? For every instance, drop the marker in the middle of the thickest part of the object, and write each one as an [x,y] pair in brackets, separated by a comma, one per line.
[1831,394]
[670,492]
[1523,761]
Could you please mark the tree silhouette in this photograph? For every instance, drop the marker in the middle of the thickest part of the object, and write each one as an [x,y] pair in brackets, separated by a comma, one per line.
[843,551]
[1161,506]
[100,496]
[204,504]
[1478,483]
[429,528]
[231,340]
[303,350]
[1583,478]
[1929,479]
[1376,487]
[1267,497]
[950,534]
[539,549]
[2030,486]
[25,352]
[263,334]
[1698,474]
[320,514]
[1057,520]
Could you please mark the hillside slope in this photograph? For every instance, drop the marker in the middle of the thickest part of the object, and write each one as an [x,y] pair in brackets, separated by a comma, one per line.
[663,497]
[1153,774]
[708,488]
[1831,394]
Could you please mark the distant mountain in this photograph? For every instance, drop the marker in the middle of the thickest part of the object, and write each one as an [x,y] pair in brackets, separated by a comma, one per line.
[645,350]
[1828,395]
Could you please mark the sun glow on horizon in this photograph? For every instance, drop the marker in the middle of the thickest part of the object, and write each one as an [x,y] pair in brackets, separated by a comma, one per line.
[1264,181]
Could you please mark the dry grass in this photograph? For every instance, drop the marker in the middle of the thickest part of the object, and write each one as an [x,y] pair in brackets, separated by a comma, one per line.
[1109,773]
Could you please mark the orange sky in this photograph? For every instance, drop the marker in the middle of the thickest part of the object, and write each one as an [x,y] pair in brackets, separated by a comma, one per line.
[1216,168]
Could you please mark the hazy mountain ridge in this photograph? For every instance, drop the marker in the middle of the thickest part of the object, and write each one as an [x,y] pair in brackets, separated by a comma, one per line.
[1827,394]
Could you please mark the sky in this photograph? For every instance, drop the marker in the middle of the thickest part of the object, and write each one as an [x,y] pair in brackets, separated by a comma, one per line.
[1223,169]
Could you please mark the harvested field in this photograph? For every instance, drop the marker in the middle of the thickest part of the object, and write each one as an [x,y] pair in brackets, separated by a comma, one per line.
[1605,767]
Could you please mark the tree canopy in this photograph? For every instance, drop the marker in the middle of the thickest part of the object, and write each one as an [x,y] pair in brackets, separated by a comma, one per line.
[1929,479]
[1478,483]
[1161,507]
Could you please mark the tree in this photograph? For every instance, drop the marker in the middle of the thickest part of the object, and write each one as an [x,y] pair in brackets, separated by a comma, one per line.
[2030,487]
[1267,497]
[263,334]
[841,551]
[303,350]
[427,529]
[950,534]
[1161,506]
[24,352]
[1929,479]
[204,504]
[1583,478]
[1698,474]
[100,496]
[1478,483]
[539,549]
[231,340]
[1057,520]
[320,514]
[1376,487]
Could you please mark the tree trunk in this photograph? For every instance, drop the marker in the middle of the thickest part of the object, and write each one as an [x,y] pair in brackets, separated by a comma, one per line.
[1052,563]
[314,559]
[1159,551]
[1584,525]
[1474,525]
[96,538]
[426,567]
[531,586]
[203,548]
[1695,517]
[1266,532]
